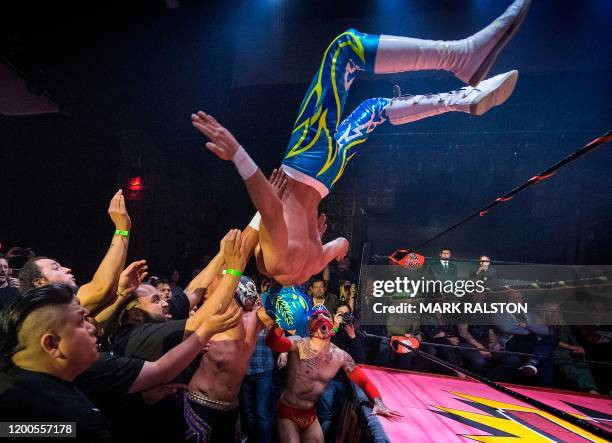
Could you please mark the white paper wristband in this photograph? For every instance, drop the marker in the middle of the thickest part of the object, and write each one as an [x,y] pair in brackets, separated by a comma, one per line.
[244,163]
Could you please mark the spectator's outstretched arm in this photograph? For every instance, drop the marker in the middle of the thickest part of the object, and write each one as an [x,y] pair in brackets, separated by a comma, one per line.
[100,290]
[197,287]
[235,257]
[130,278]
[173,362]
[358,376]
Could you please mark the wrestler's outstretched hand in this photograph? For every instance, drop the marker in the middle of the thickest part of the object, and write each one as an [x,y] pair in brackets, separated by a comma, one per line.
[222,142]
[279,180]
[380,409]
[234,249]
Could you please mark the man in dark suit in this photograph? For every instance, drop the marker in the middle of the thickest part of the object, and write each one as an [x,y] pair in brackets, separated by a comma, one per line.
[443,269]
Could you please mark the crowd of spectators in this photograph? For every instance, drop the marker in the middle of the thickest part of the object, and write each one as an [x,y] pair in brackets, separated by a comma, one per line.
[536,347]
[115,352]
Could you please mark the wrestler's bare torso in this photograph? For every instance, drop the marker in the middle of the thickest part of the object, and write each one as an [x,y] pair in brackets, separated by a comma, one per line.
[302,258]
[224,365]
[310,370]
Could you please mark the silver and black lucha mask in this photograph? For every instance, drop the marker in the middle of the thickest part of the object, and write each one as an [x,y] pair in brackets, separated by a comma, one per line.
[246,293]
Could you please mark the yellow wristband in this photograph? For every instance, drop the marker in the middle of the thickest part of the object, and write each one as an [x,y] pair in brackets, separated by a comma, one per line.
[122,233]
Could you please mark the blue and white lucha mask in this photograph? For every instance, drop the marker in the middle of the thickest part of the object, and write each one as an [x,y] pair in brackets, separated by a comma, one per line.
[246,293]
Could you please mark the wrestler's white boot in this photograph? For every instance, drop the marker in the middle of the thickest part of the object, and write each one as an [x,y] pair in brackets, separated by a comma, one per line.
[470,59]
[476,101]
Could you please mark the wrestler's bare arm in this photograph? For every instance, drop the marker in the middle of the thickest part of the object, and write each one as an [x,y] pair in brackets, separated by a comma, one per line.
[264,197]
[357,376]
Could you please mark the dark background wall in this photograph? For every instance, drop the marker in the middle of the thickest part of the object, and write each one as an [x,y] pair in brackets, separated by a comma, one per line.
[127,77]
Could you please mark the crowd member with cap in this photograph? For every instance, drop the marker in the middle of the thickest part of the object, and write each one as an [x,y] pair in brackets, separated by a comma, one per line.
[313,362]
[101,290]
[51,370]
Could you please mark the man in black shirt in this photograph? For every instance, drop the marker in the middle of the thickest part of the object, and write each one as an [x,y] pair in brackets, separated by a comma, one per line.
[46,342]
[147,333]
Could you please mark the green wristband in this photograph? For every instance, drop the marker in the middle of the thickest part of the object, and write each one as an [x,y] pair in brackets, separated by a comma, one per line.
[234,272]
[122,233]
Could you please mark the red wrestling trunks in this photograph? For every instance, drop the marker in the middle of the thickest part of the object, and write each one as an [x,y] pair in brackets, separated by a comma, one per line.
[301,417]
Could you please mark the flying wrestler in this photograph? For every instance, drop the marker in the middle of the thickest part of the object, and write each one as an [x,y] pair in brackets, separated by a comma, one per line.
[313,362]
[321,145]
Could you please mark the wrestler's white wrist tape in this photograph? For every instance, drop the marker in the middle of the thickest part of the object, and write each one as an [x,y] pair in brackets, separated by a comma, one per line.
[244,163]
[255,221]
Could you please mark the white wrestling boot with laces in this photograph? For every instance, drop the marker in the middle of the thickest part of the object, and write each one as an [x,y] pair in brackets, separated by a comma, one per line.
[470,59]
[472,100]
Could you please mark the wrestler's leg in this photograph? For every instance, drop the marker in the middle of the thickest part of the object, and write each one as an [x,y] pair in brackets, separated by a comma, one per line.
[355,129]
[288,432]
[334,250]
[470,59]
[313,433]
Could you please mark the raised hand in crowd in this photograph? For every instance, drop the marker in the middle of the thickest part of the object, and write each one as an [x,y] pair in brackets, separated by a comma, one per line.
[118,212]
[234,250]
[101,290]
[130,278]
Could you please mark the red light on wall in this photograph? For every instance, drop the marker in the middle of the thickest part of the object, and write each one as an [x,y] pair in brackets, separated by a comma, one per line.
[135,184]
